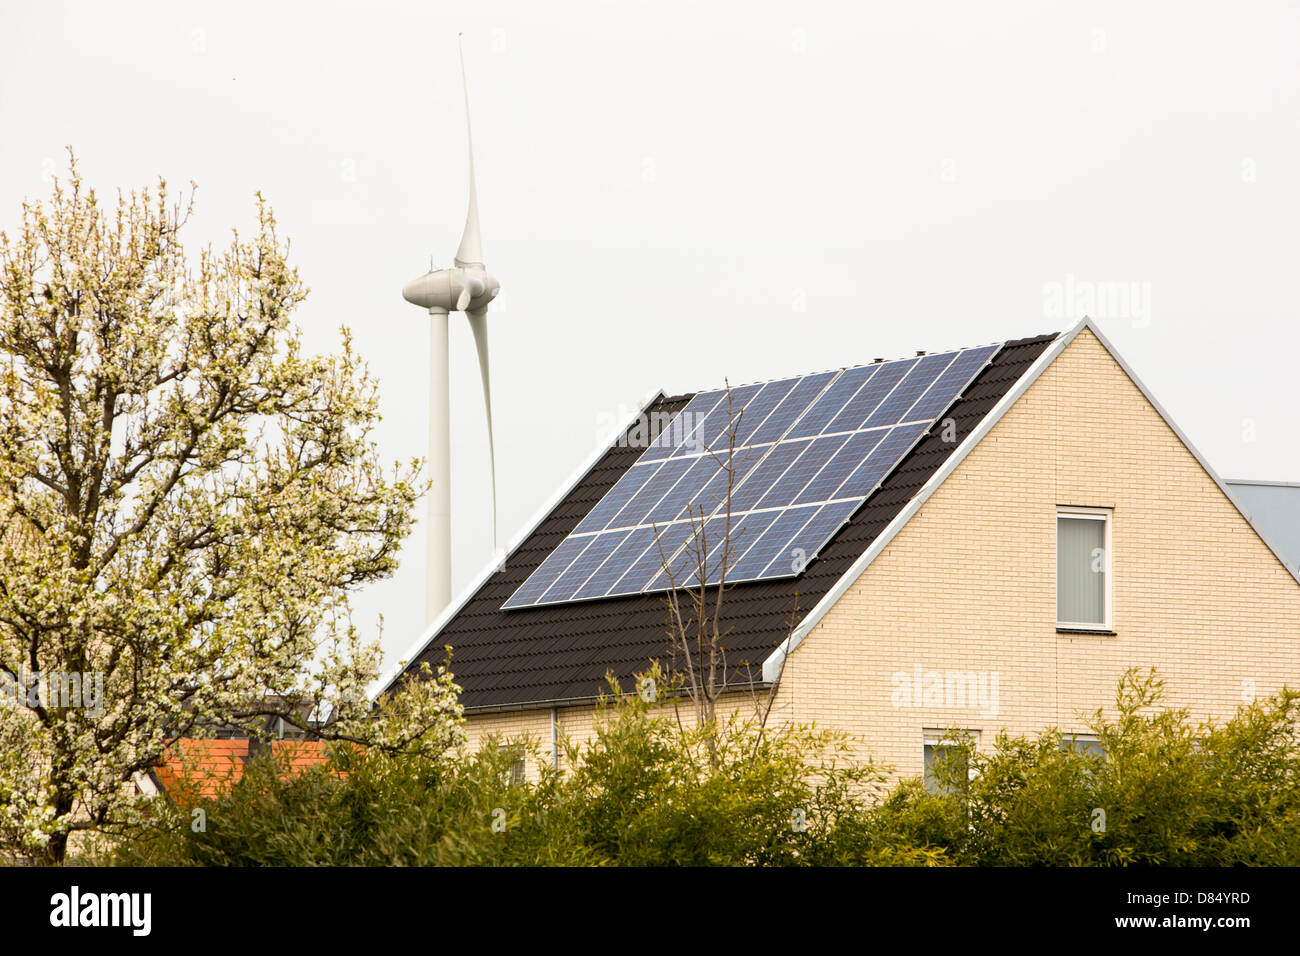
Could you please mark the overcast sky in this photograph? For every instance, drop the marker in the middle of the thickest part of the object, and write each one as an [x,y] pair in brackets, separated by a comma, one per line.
[674,193]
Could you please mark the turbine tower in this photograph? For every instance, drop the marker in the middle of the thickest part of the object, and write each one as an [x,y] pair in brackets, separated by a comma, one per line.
[468,288]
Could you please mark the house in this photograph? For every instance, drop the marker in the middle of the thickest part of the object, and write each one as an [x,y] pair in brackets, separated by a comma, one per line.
[1049,527]
[197,768]
[201,768]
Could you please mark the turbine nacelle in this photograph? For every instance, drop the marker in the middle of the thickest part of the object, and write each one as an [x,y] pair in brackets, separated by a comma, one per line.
[460,289]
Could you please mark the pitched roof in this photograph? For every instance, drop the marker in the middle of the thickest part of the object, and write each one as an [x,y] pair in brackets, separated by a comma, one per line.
[554,654]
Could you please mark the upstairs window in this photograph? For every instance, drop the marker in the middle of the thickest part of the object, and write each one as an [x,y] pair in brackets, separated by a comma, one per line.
[1083,568]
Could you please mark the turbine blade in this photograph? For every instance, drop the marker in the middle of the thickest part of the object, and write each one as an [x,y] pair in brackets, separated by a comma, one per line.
[471,288]
[478,324]
[471,243]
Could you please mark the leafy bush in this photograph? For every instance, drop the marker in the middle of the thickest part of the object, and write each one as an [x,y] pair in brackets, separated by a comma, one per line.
[364,809]
[646,791]
[1165,791]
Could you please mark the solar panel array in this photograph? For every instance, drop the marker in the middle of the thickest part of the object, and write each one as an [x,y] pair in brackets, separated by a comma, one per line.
[807,453]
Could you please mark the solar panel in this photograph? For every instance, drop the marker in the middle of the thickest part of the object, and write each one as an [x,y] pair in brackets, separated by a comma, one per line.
[711,428]
[683,426]
[805,454]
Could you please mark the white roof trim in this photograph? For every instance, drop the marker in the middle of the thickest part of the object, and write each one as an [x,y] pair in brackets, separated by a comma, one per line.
[427,636]
[144,782]
[773,665]
[1260,483]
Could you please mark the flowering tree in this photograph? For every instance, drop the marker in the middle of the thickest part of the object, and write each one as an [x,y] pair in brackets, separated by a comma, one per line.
[186,501]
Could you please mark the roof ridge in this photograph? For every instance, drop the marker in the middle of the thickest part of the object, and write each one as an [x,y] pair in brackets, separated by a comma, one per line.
[1030,340]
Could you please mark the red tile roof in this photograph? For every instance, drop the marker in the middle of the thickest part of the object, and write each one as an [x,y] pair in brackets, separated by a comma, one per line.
[198,769]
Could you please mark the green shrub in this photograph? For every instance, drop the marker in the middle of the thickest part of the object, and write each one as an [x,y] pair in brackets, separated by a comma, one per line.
[647,791]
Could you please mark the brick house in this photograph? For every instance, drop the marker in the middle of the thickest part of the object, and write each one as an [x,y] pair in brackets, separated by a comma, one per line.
[1050,528]
[195,768]
[198,768]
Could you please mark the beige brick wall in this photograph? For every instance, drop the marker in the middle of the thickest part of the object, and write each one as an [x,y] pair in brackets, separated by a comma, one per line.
[969,585]
[578,723]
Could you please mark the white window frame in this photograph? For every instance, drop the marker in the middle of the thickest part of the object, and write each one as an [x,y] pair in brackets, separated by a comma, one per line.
[1105,515]
[942,739]
[1068,740]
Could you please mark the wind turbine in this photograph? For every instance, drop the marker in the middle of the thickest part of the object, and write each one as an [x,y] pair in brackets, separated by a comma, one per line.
[468,288]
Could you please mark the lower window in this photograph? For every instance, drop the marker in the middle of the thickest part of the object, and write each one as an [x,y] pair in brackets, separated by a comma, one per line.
[947,766]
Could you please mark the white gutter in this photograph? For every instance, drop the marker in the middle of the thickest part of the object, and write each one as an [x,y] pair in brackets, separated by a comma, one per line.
[555,739]
[427,636]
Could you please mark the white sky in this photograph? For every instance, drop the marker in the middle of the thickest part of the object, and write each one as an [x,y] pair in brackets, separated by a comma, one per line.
[672,193]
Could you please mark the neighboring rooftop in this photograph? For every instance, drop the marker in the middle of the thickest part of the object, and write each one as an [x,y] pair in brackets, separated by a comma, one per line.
[1274,508]
[560,654]
[196,769]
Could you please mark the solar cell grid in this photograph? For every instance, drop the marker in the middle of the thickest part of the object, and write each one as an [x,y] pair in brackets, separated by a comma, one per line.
[584,565]
[756,484]
[540,580]
[859,407]
[808,451]
[713,495]
[920,377]
[746,529]
[613,567]
[644,567]
[687,489]
[834,473]
[880,462]
[713,427]
[801,471]
[628,485]
[792,406]
[681,429]
[955,376]
[763,404]
[772,542]
[803,546]
[832,401]
[650,494]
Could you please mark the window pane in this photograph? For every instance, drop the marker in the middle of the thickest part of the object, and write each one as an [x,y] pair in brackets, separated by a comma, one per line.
[1083,745]
[931,784]
[942,762]
[1080,570]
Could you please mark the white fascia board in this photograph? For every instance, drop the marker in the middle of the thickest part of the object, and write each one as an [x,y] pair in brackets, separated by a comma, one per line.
[1187,442]
[430,633]
[145,784]
[772,666]
[776,660]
